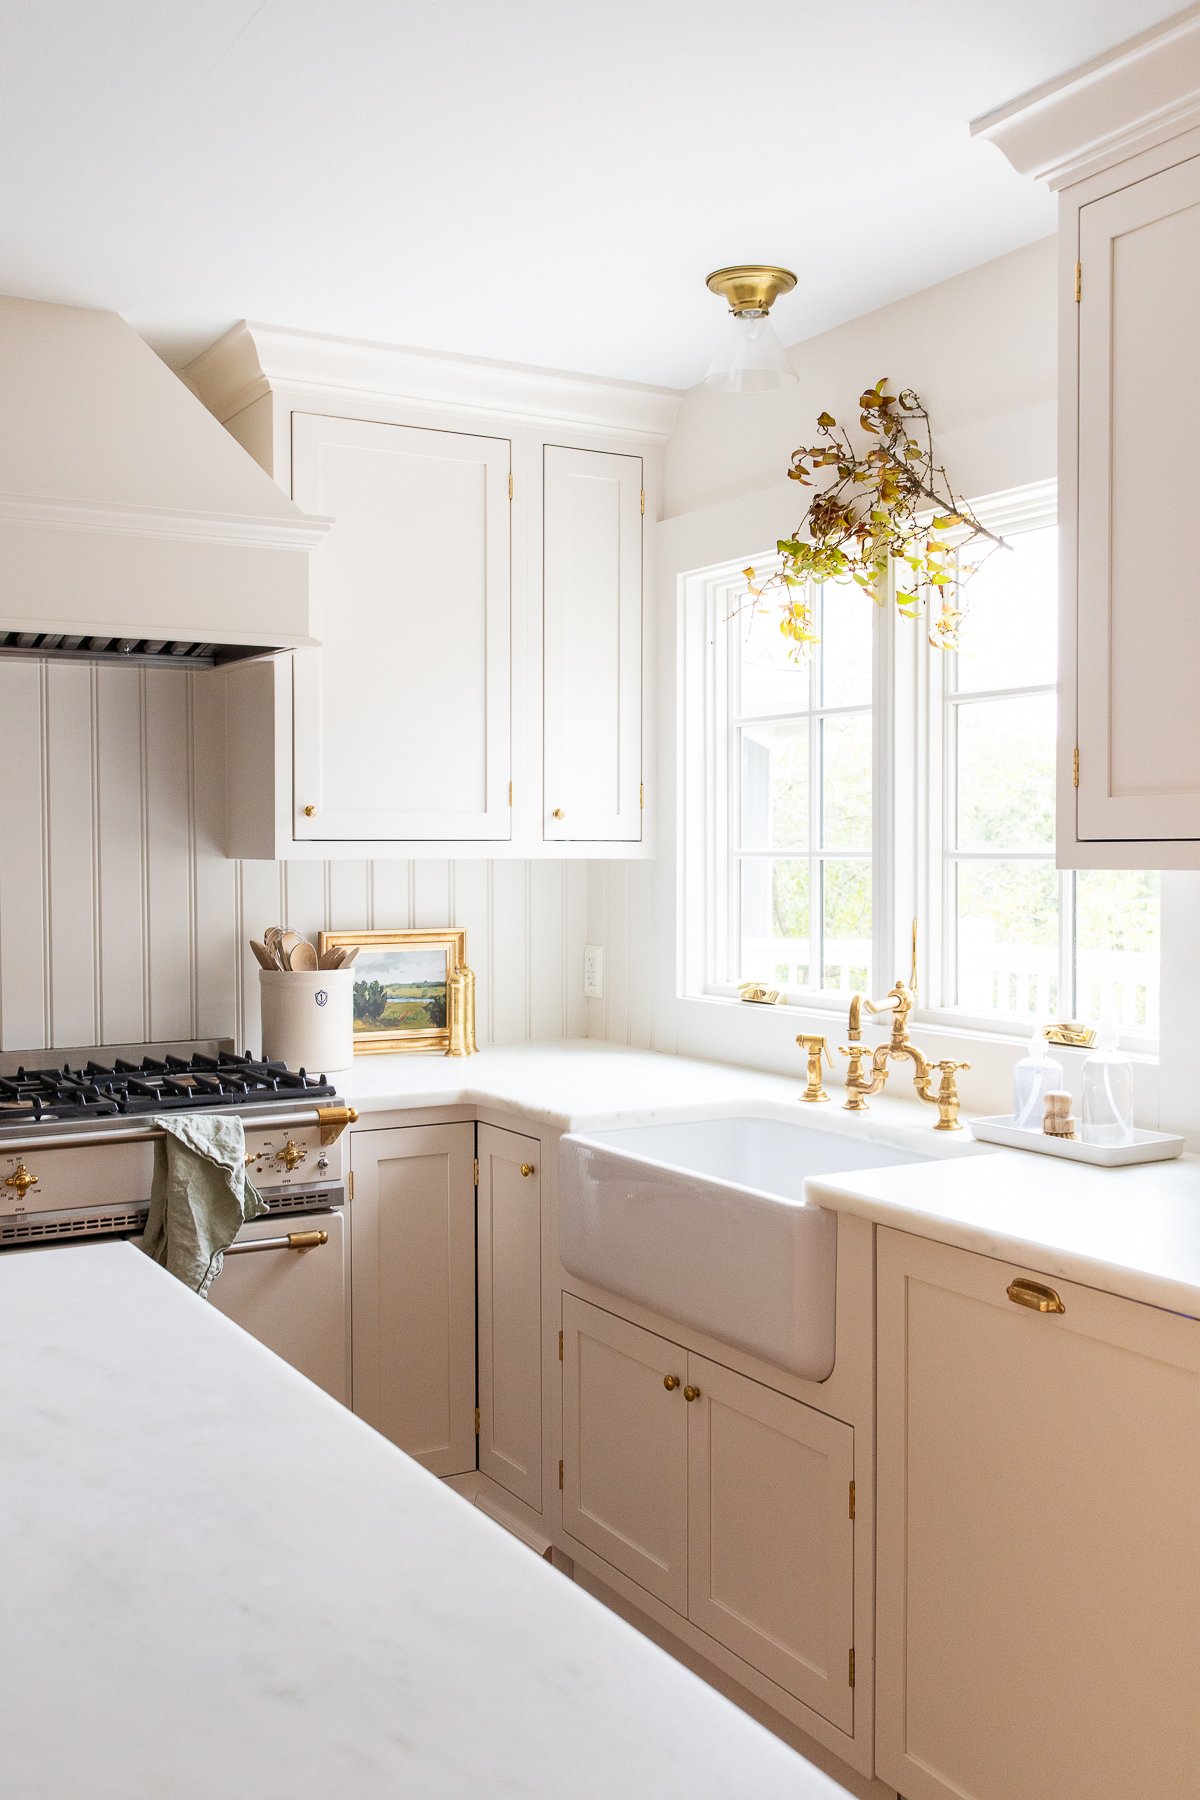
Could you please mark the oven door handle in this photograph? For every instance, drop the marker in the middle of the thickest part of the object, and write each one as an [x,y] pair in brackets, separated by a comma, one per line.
[295,1240]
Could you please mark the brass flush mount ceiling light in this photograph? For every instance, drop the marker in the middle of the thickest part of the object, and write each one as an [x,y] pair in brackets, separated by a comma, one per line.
[750,358]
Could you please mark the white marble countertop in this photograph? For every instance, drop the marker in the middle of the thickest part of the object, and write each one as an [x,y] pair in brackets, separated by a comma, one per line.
[1133,1231]
[217,1582]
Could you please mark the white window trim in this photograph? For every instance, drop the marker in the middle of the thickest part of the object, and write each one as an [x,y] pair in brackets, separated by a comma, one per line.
[906,828]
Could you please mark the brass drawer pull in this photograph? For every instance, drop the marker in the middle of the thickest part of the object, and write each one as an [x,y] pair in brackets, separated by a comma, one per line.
[691,1393]
[1035,1295]
[528,1169]
[670,1382]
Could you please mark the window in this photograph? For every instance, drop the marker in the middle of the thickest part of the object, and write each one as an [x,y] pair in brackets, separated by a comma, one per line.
[796,784]
[839,790]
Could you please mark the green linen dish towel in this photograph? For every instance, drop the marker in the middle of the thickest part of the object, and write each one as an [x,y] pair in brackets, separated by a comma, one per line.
[199,1196]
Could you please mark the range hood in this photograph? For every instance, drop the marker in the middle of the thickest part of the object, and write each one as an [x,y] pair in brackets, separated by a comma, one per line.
[133,527]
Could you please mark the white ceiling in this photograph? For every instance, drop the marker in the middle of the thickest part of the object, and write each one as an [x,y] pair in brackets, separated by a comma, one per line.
[533,180]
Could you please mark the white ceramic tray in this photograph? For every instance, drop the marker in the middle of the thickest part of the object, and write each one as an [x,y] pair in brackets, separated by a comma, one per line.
[1147,1146]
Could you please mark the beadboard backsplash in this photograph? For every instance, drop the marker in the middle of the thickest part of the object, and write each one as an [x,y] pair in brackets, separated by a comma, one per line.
[122,922]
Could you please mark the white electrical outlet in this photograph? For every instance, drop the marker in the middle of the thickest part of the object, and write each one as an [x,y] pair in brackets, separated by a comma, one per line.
[593,972]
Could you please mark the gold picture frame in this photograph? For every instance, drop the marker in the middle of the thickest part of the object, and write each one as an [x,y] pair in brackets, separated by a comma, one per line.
[387,1020]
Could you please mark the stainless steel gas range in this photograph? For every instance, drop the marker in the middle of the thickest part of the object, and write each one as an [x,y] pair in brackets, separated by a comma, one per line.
[76,1161]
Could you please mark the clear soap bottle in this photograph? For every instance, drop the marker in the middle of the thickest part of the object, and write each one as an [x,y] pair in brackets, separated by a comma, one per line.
[1035,1076]
[1107,1090]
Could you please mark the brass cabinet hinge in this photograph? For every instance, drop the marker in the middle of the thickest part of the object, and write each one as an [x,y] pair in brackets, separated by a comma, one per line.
[642,795]
[1078,283]
[560,1346]
[476,1421]
[510,487]
[1075,766]
[510,793]
[476,1171]
[851,1499]
[560,1478]
[350,1184]
[851,1668]
[643,503]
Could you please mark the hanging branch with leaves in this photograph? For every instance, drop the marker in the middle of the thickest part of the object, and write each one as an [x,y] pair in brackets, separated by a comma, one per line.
[889,504]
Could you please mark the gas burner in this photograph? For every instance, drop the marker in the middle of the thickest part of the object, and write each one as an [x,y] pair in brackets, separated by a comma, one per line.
[152,1085]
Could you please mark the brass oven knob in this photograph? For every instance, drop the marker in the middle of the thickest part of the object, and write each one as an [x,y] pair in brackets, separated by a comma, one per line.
[290,1155]
[21,1179]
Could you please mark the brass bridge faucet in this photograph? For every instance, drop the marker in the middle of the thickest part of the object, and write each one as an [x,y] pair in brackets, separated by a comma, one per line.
[899,1001]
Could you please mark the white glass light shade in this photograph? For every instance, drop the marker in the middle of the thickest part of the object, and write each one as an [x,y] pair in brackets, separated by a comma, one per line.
[750,358]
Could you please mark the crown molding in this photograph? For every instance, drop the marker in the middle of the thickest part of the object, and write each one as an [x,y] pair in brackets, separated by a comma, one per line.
[305,533]
[252,360]
[1133,97]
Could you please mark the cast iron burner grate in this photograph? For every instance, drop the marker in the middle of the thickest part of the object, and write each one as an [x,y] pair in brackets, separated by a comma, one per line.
[174,1084]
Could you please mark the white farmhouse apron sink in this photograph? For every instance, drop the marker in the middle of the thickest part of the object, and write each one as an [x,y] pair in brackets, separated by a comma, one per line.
[705,1222]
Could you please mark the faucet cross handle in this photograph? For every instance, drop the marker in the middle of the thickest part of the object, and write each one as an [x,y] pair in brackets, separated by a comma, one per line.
[947,1095]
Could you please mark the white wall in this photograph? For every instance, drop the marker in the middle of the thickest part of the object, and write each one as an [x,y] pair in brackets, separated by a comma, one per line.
[122,921]
[980,349]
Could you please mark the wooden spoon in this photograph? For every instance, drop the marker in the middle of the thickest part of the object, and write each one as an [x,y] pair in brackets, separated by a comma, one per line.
[349,952]
[287,943]
[302,958]
[262,955]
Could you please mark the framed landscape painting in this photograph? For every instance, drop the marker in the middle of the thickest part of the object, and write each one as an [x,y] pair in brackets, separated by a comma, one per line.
[400,992]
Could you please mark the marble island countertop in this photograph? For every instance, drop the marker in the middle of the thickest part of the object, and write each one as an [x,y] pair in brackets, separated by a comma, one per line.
[1133,1231]
[217,1583]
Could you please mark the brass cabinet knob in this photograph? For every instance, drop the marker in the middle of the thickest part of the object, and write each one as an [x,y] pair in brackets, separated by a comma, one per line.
[21,1179]
[670,1382]
[1035,1295]
[310,812]
[558,813]
[528,1169]
[691,1393]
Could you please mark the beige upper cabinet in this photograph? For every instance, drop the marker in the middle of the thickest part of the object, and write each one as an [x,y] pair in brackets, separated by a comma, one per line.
[592,625]
[401,719]
[1119,141]
[1037,1583]
[1134,638]
[479,682]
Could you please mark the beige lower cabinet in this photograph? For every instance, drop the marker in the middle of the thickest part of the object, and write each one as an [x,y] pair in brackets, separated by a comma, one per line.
[509,1263]
[1038,1572]
[726,1500]
[412,1226]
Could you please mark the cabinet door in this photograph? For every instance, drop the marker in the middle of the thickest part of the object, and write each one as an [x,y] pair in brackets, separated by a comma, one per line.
[296,1302]
[1038,1587]
[509,1261]
[1138,620]
[412,1224]
[625,1448]
[770,1533]
[401,721]
[592,623]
